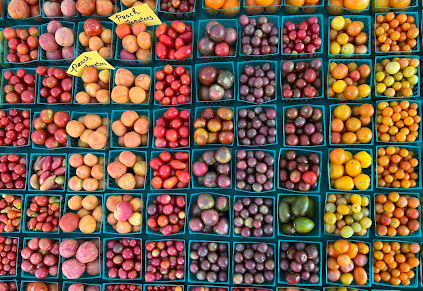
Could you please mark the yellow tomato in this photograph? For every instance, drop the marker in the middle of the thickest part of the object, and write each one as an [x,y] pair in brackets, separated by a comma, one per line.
[364,158]
[344,183]
[362,182]
[336,171]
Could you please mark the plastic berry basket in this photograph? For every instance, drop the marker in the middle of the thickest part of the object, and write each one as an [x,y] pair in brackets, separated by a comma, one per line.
[66,209]
[6,41]
[116,114]
[190,69]
[368,171]
[42,146]
[36,18]
[25,218]
[282,154]
[370,126]
[252,108]
[416,90]
[416,234]
[275,165]
[25,275]
[95,14]
[419,112]
[67,284]
[413,52]
[6,190]
[281,278]
[240,69]
[316,232]
[111,183]
[85,275]
[355,236]
[80,87]
[224,13]
[136,63]
[297,19]
[191,277]
[200,33]
[135,71]
[258,10]
[367,29]
[177,15]
[123,7]
[414,283]
[375,8]
[3,101]
[106,228]
[193,200]
[104,269]
[368,267]
[230,66]
[196,154]
[24,284]
[18,260]
[30,126]
[175,61]
[157,113]
[30,171]
[20,227]
[291,9]
[359,62]
[277,23]
[43,101]
[266,283]
[417,154]
[67,24]
[185,257]
[106,24]
[145,287]
[74,141]
[105,288]
[322,77]
[323,120]
[240,237]
[63,17]
[149,231]
[155,154]
[338,10]
[199,110]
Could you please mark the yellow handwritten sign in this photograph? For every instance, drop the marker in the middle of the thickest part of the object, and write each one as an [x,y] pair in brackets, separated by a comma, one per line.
[88,59]
[140,13]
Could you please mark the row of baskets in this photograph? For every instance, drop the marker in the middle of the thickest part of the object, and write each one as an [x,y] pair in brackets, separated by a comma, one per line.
[251,10]
[106,228]
[235,67]
[198,31]
[279,279]
[327,133]
[111,185]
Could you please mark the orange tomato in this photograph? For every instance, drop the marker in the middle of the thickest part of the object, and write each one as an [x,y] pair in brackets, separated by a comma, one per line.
[337,125]
[356,4]
[337,156]
[341,246]
[360,276]
[399,3]
[214,4]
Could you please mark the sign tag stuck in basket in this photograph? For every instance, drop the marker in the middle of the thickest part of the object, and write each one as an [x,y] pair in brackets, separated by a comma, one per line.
[88,59]
[141,13]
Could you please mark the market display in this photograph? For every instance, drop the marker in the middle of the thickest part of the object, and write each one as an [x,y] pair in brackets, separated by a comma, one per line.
[210,145]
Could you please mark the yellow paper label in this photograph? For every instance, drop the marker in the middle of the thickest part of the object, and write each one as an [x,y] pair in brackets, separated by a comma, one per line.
[140,13]
[88,59]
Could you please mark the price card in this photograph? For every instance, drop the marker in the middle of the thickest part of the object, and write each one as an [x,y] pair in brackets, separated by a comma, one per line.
[88,59]
[140,13]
